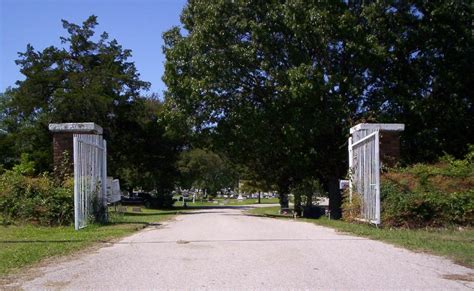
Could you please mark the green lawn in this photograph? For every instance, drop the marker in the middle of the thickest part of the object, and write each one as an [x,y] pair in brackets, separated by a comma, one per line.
[23,245]
[455,244]
[227,202]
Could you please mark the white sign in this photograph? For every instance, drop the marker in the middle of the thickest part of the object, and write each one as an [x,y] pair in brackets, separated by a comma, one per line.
[343,184]
[113,190]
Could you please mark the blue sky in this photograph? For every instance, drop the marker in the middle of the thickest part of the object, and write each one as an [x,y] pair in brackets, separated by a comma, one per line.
[136,24]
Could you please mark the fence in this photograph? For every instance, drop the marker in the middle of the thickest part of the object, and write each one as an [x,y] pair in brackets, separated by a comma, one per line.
[90,179]
[364,169]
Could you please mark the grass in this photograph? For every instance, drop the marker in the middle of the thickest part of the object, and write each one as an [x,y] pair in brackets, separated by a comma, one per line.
[228,202]
[24,245]
[456,244]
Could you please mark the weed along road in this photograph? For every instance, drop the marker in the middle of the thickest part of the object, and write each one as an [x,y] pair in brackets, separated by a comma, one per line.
[226,249]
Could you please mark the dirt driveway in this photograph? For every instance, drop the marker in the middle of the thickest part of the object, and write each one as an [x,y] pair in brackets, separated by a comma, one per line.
[224,249]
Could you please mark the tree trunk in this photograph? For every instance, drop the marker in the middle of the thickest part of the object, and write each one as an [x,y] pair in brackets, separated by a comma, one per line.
[309,199]
[297,206]
[284,200]
[335,198]
[283,190]
[259,196]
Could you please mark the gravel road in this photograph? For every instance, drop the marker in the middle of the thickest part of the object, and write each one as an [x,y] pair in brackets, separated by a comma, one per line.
[224,249]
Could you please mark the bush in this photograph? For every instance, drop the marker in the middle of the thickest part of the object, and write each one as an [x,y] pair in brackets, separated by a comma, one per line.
[36,200]
[425,208]
[159,201]
[422,195]
[351,208]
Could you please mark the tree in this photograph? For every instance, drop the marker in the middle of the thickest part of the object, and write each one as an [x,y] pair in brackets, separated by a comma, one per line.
[304,192]
[151,149]
[421,73]
[255,76]
[254,186]
[278,84]
[203,169]
[6,141]
[88,79]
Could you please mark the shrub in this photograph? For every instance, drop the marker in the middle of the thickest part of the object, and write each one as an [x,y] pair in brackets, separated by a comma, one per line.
[422,195]
[351,207]
[36,200]
[26,166]
[160,200]
[425,208]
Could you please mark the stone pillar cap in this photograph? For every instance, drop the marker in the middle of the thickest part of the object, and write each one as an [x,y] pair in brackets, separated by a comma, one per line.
[378,126]
[76,127]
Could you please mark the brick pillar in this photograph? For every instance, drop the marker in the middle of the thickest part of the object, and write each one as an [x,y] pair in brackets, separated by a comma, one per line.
[63,140]
[389,139]
[389,148]
[62,144]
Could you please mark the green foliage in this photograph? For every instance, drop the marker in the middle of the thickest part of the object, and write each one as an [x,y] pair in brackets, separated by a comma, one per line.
[351,206]
[25,167]
[421,69]
[90,78]
[36,200]
[63,171]
[304,192]
[249,185]
[430,208]
[277,84]
[246,75]
[159,200]
[430,195]
[203,169]
[150,150]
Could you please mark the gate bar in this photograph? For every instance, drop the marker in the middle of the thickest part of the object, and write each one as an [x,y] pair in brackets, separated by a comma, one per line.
[365,138]
[76,183]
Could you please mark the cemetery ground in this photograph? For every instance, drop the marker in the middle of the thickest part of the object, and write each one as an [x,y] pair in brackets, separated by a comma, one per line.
[224,248]
[227,202]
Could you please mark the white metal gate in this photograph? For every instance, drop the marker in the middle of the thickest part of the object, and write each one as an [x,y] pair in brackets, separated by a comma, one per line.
[364,172]
[90,178]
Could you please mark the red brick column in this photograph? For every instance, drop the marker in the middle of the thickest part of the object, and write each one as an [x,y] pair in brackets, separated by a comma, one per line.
[389,148]
[62,143]
[63,134]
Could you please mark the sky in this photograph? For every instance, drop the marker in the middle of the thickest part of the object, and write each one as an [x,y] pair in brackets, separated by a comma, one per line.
[136,24]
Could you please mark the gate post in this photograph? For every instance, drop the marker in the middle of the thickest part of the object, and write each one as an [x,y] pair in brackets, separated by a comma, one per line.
[71,138]
[371,147]
[351,166]
[63,141]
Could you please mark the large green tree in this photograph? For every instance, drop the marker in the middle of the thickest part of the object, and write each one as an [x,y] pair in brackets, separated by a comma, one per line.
[258,77]
[278,84]
[90,78]
[204,169]
[420,72]
[7,155]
